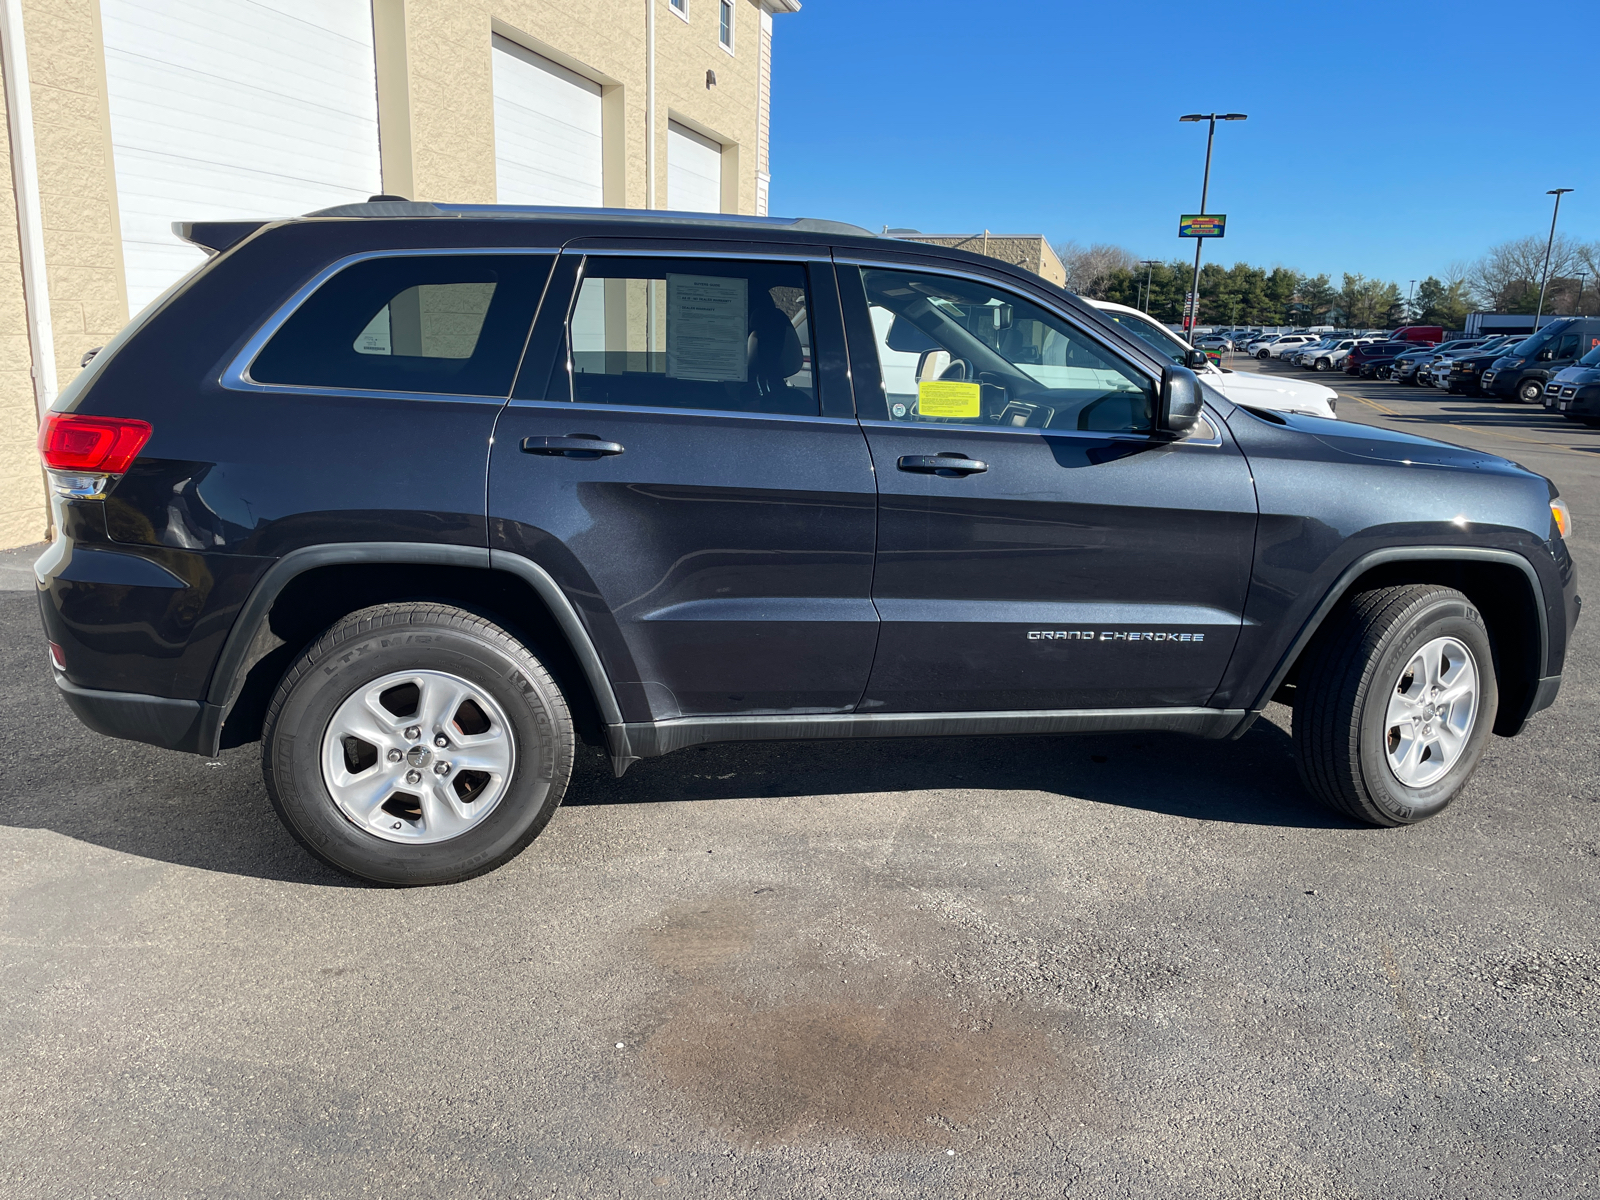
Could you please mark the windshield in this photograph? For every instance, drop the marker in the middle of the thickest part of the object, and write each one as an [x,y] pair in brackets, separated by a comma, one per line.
[1158,336]
[1537,342]
[1591,359]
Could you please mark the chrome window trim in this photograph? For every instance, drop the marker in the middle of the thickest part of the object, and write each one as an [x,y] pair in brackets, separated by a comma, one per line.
[975,277]
[1121,436]
[236,375]
[651,410]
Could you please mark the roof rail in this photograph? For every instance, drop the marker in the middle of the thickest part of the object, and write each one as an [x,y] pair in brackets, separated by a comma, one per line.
[653,216]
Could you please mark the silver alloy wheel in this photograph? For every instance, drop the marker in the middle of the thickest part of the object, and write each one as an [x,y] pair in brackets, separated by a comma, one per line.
[418,756]
[1432,708]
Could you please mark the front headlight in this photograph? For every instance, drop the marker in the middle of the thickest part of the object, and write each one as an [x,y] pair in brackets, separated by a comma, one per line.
[1563,518]
[1515,362]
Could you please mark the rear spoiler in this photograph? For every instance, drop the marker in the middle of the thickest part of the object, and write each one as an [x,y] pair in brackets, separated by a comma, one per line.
[216,236]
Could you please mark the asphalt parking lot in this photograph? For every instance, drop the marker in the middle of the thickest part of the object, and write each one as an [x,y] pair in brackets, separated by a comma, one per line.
[1130,965]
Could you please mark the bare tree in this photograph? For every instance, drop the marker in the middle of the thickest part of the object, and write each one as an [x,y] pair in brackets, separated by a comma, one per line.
[1507,278]
[1088,268]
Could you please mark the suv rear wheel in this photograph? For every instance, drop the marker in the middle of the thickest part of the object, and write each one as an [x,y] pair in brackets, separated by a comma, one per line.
[1395,701]
[416,744]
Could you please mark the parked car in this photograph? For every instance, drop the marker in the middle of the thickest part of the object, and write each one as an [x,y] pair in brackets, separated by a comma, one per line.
[1331,355]
[1413,366]
[1522,373]
[1428,371]
[1432,334]
[1575,391]
[1369,352]
[401,491]
[1242,387]
[1429,357]
[1468,367]
[1302,356]
[1289,343]
[1214,341]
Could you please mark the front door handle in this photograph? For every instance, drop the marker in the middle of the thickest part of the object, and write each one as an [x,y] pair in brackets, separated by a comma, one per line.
[573,445]
[949,465]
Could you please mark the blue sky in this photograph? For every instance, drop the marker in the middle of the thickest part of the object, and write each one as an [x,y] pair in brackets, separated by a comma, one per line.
[1388,139]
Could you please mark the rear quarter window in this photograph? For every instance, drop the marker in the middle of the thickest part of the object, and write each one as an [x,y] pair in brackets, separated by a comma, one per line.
[443,324]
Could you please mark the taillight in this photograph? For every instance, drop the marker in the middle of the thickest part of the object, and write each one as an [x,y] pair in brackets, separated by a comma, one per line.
[91,445]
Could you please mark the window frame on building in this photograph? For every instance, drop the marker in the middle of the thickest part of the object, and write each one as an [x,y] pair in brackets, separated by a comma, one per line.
[679,8]
[725,24]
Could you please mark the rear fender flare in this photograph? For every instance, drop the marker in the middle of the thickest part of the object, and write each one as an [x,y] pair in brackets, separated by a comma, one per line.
[250,635]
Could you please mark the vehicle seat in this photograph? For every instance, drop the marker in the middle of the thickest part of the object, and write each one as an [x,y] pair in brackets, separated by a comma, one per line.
[775,354]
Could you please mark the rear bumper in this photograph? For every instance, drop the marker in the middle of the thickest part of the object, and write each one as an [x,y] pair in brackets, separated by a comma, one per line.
[189,725]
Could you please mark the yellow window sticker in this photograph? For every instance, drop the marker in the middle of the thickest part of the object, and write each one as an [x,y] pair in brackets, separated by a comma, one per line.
[948,398]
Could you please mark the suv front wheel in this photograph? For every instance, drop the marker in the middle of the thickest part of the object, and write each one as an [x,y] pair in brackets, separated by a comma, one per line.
[416,744]
[1395,701]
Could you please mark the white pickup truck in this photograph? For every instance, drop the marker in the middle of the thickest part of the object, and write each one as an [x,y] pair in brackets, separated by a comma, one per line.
[1242,387]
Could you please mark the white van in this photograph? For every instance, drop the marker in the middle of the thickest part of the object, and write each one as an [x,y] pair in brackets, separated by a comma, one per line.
[1259,391]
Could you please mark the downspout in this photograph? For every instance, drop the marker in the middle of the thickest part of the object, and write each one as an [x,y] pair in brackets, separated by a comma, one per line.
[25,179]
[649,103]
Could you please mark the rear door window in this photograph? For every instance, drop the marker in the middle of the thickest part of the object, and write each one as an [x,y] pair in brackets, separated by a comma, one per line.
[446,324]
[693,333]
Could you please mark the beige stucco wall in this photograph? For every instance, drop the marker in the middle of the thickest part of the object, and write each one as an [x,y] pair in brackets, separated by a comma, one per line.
[22,504]
[436,120]
[449,109]
[77,186]
[82,241]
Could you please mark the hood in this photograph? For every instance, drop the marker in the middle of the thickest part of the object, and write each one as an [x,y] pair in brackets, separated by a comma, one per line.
[1578,375]
[1274,391]
[1387,445]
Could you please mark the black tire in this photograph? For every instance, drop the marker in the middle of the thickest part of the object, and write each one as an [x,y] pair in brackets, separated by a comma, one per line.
[1323,364]
[1262,355]
[1342,696]
[1530,391]
[389,638]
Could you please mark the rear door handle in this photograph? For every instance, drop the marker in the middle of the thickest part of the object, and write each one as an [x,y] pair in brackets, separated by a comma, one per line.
[573,445]
[946,464]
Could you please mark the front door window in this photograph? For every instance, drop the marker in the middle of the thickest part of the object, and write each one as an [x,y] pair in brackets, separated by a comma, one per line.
[958,352]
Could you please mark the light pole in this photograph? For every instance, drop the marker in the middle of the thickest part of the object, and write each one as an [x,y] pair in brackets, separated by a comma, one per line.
[1411,307]
[1149,265]
[1205,187]
[1544,280]
[1577,309]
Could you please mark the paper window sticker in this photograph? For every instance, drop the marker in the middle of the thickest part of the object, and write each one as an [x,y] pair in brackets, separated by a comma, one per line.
[374,339]
[949,398]
[708,328]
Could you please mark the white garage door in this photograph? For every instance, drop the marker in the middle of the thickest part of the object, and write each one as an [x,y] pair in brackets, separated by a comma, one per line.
[546,131]
[234,108]
[694,171]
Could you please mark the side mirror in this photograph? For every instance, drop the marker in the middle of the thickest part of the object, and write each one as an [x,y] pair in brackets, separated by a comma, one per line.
[1195,359]
[1179,407]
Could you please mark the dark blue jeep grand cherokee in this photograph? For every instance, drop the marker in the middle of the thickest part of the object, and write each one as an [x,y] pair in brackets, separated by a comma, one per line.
[419,494]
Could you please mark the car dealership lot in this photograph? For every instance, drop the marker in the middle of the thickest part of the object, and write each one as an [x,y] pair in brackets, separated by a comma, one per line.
[1100,966]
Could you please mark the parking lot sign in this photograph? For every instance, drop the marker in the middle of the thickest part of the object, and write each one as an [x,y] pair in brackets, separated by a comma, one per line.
[1196,225]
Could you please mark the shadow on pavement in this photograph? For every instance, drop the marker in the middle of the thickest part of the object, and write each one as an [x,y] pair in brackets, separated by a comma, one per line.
[1251,781]
[215,816]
